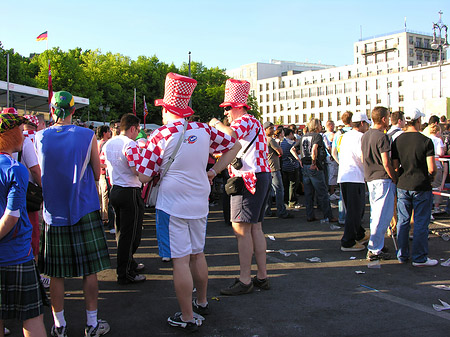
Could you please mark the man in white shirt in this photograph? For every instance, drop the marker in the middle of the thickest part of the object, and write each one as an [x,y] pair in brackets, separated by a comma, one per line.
[121,156]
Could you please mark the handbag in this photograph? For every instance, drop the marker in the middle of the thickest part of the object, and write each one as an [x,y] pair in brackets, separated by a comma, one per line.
[237,162]
[234,186]
[34,197]
[153,186]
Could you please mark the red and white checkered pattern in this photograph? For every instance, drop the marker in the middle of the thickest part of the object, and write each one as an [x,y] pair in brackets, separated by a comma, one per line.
[9,111]
[255,159]
[33,119]
[29,134]
[236,93]
[177,93]
[152,155]
[132,155]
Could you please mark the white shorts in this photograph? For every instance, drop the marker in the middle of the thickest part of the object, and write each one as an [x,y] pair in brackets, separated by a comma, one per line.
[179,237]
[333,169]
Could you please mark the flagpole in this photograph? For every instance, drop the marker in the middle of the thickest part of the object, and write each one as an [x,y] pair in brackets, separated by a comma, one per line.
[7,80]
[134,102]
[190,99]
[145,115]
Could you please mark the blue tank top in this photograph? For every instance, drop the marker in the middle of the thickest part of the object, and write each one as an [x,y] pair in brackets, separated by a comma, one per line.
[68,184]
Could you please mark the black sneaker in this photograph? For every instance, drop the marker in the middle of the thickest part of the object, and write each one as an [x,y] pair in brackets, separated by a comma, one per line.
[262,284]
[177,322]
[58,332]
[199,309]
[380,256]
[237,288]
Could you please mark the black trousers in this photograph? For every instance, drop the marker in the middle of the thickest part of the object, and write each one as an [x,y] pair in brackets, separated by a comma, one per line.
[354,195]
[129,208]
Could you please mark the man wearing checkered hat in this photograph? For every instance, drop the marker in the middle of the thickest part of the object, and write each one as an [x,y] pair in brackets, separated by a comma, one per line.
[121,154]
[182,204]
[247,208]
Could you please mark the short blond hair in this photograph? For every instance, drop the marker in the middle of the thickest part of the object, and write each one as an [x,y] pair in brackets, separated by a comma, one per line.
[314,124]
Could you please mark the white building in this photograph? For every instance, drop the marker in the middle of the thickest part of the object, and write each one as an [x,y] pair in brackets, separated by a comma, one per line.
[398,70]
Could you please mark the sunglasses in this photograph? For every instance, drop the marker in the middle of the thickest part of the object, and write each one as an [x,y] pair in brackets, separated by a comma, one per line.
[228,108]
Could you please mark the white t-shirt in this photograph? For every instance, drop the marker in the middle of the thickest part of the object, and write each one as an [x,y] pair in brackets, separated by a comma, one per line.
[185,188]
[29,156]
[120,154]
[438,148]
[351,168]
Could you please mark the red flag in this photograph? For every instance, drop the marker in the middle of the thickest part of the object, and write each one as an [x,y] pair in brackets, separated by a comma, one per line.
[145,111]
[42,37]
[50,87]
[134,102]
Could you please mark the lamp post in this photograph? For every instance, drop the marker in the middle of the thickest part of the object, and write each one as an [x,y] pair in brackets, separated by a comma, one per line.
[440,43]
[107,109]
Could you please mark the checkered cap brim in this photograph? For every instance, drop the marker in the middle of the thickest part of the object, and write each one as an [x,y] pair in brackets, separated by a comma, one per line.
[9,121]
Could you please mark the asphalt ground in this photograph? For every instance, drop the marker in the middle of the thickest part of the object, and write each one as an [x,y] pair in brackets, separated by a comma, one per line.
[339,296]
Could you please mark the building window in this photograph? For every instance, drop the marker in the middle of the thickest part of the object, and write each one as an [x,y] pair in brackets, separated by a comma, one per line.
[313,104]
[411,40]
[347,100]
[377,84]
[320,103]
[274,96]
[267,86]
[282,85]
[304,104]
[338,102]
[298,82]
[281,107]
[330,116]
[260,99]
[367,99]
[260,87]
[267,98]
[389,84]
[289,119]
[400,83]
[378,99]
[401,98]
[411,52]
[330,102]
[296,119]
[305,118]
[358,100]
[338,116]
[274,108]
[321,116]
[260,110]
[282,119]
[274,86]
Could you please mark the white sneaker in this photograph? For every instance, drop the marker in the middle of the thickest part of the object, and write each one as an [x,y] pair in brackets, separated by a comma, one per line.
[166,259]
[6,331]
[334,197]
[112,231]
[428,263]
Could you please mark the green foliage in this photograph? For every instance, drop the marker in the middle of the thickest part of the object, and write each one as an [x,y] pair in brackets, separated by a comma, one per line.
[110,79]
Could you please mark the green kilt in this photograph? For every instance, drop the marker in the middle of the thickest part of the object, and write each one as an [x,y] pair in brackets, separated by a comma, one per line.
[73,251]
[22,295]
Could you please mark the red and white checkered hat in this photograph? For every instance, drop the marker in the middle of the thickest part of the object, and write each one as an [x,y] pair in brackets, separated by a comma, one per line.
[177,93]
[236,93]
[33,119]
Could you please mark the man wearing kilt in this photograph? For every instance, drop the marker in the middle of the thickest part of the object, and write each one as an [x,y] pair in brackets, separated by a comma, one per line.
[73,242]
[22,295]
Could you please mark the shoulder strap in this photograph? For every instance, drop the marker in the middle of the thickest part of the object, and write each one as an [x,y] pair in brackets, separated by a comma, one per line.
[174,153]
[250,144]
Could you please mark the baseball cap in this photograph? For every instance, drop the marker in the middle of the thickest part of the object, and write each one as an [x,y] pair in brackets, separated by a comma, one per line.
[267,124]
[413,114]
[359,116]
[62,104]
[9,121]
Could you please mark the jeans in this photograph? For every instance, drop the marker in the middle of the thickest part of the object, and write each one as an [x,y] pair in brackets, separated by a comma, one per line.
[290,182]
[381,196]
[354,195]
[314,181]
[277,189]
[421,202]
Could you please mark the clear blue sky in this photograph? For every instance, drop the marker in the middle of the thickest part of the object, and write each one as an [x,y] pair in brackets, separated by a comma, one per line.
[226,33]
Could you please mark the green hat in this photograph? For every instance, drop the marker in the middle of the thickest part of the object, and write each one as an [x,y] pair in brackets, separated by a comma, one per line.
[62,104]
[9,121]
[141,134]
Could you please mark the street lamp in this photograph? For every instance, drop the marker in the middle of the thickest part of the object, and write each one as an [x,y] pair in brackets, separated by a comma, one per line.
[107,109]
[440,43]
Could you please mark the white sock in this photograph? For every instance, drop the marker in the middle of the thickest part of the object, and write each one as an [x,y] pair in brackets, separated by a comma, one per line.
[59,319]
[91,318]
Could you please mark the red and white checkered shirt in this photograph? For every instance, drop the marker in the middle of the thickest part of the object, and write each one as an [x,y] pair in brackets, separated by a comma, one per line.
[29,134]
[185,188]
[255,159]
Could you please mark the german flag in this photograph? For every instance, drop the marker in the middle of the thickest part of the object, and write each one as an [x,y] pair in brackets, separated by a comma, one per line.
[42,37]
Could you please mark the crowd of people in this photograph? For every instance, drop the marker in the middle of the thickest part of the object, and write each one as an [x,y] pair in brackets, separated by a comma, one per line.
[92,182]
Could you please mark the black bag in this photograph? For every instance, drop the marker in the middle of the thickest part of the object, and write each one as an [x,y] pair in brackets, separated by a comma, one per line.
[234,186]
[34,197]
[237,163]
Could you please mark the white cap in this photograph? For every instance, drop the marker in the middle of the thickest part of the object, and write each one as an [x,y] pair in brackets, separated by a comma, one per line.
[413,114]
[359,116]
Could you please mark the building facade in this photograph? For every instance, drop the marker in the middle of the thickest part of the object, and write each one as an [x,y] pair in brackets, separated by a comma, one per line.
[398,70]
